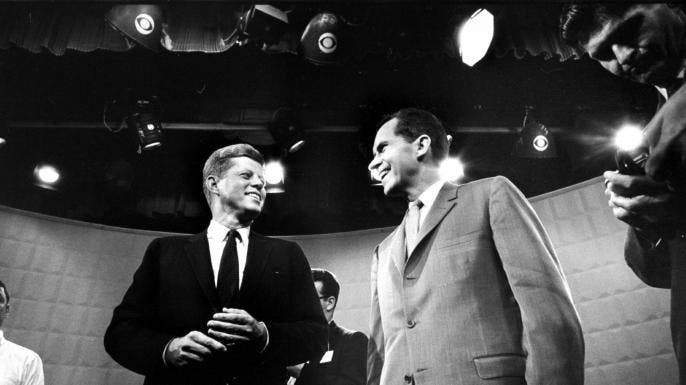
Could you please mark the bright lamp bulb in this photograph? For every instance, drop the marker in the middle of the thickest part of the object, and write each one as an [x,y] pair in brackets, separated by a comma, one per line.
[273,173]
[475,36]
[451,169]
[629,138]
[540,143]
[47,174]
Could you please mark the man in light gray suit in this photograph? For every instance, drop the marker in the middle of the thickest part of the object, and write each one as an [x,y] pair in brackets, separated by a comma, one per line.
[467,289]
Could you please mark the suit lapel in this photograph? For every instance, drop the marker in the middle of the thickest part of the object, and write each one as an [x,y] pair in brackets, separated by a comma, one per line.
[396,247]
[258,255]
[198,254]
[445,201]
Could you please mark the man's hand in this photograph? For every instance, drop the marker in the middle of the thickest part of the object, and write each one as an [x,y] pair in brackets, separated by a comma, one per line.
[666,134]
[193,347]
[235,326]
[644,203]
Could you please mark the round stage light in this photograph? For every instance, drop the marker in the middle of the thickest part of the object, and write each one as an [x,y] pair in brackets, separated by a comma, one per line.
[274,173]
[451,169]
[540,143]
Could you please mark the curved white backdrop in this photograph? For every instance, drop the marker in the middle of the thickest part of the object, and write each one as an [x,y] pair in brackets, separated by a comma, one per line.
[65,277]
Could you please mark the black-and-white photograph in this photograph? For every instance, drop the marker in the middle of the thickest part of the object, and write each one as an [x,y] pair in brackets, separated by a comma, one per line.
[342,193]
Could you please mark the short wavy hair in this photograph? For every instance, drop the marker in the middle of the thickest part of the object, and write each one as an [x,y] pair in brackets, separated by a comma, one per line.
[413,122]
[221,160]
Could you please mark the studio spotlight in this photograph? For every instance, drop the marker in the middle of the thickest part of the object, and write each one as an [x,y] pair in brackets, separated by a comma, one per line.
[451,169]
[141,23]
[274,176]
[3,141]
[474,36]
[46,176]
[535,141]
[322,41]
[145,123]
[284,128]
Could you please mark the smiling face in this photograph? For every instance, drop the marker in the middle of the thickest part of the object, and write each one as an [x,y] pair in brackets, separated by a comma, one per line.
[241,190]
[395,161]
[646,44]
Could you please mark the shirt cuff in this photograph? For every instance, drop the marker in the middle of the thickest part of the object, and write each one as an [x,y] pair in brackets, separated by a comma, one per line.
[164,352]
[267,342]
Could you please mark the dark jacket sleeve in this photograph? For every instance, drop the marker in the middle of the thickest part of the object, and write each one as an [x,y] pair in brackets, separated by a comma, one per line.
[303,336]
[353,361]
[650,264]
[131,338]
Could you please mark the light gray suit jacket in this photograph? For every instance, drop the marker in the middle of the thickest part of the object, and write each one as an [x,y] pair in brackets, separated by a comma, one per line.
[481,299]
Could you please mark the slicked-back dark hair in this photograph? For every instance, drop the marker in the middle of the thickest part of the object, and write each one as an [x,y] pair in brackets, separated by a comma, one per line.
[330,286]
[414,122]
[579,21]
[220,161]
[7,293]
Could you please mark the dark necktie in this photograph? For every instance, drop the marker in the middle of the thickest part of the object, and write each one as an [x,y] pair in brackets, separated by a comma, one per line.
[227,279]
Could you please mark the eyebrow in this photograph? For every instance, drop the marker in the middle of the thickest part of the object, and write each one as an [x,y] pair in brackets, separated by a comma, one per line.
[378,146]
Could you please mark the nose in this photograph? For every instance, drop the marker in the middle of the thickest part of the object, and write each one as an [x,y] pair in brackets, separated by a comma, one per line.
[623,53]
[257,182]
[374,163]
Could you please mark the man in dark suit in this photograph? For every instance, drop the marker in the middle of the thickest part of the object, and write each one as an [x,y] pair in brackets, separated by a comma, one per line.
[646,43]
[345,359]
[226,306]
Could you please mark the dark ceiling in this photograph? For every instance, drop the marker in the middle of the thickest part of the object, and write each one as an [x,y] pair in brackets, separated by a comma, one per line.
[52,108]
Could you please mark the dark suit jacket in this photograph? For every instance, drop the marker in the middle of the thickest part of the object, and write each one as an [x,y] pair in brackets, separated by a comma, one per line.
[665,267]
[348,365]
[173,293]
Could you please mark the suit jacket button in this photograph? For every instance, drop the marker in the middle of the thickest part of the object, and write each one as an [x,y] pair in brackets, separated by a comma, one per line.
[411,323]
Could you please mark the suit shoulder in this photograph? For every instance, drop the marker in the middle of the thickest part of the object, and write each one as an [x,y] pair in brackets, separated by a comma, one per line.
[172,240]
[351,333]
[488,184]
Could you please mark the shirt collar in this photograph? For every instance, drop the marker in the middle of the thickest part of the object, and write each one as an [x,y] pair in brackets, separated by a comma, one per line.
[217,231]
[663,91]
[429,195]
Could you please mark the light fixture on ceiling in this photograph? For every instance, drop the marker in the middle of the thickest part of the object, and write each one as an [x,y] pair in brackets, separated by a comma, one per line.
[46,176]
[474,36]
[141,23]
[286,131]
[145,124]
[274,176]
[322,41]
[535,140]
[263,24]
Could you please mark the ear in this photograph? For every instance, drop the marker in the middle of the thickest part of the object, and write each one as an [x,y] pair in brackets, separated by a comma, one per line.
[330,303]
[423,145]
[211,184]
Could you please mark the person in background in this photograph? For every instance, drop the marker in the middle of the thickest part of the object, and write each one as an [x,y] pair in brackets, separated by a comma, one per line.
[18,365]
[224,306]
[646,43]
[467,289]
[345,359]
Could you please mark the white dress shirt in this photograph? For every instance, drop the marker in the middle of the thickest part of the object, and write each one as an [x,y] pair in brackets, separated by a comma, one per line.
[216,236]
[19,365]
[428,197]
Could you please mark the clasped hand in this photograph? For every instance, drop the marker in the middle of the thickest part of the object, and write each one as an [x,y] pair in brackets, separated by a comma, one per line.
[226,328]
[236,326]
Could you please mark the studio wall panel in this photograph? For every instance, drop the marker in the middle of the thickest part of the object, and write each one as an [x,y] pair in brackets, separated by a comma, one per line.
[65,277]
